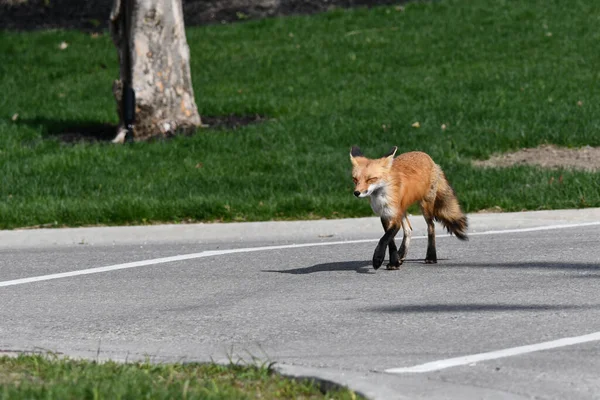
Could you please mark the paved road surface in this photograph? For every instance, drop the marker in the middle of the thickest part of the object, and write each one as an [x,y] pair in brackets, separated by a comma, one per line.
[303,294]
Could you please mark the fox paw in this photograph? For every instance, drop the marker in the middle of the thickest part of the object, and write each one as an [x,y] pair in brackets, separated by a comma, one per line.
[430,261]
[377,263]
[378,257]
[393,267]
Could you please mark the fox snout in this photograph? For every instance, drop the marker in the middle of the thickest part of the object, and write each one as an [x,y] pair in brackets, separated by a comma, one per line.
[363,193]
[361,188]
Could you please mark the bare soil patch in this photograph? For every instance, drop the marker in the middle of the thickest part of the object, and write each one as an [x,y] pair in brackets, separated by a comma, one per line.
[548,156]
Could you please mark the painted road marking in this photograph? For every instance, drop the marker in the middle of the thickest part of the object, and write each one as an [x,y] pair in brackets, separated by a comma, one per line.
[163,260]
[493,355]
[536,228]
[212,253]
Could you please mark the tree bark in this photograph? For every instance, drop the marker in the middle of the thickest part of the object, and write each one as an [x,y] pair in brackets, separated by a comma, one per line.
[151,34]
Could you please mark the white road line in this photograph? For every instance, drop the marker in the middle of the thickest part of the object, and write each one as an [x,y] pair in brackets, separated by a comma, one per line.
[493,355]
[135,264]
[212,253]
[536,228]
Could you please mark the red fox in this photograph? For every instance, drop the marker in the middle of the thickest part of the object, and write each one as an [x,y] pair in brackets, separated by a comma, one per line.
[392,185]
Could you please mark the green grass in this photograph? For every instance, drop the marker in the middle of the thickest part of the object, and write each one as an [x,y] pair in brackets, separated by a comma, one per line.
[44,377]
[500,74]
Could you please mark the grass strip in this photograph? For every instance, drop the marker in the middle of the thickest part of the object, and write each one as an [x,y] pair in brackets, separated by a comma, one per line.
[48,377]
[497,75]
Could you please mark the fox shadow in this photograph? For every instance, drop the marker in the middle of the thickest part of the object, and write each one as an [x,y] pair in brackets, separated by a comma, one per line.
[360,267]
[365,267]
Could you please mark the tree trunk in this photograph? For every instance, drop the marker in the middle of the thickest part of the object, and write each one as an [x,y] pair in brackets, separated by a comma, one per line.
[154,58]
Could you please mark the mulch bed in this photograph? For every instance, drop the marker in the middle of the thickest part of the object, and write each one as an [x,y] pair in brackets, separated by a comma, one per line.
[92,15]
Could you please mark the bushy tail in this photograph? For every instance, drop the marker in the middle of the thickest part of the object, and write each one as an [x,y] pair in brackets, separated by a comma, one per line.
[447,210]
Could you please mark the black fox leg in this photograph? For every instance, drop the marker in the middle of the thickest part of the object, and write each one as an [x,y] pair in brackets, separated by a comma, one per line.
[394,262]
[383,244]
[407,233]
[431,256]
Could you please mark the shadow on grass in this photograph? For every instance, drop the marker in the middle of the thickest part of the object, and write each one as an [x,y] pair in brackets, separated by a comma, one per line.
[476,307]
[360,267]
[70,132]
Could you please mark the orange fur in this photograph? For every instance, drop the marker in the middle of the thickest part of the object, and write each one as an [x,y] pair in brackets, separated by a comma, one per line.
[394,184]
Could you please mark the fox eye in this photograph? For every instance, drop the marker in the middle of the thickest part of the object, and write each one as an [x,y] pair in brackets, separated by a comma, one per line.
[355,180]
[372,180]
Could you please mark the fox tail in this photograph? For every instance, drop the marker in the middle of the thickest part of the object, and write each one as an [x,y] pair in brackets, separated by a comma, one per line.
[447,210]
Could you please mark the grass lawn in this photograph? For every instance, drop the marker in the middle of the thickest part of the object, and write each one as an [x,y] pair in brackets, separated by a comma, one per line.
[41,377]
[499,74]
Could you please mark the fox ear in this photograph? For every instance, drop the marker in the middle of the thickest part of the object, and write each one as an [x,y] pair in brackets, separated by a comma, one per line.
[355,152]
[392,152]
[390,155]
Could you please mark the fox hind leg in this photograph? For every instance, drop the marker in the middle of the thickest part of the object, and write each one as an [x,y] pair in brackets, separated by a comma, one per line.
[407,233]
[427,209]
[431,256]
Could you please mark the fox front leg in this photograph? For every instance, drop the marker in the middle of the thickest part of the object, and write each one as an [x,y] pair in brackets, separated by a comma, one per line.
[394,260]
[382,246]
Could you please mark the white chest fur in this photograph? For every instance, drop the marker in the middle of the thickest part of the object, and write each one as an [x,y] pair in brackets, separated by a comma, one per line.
[380,204]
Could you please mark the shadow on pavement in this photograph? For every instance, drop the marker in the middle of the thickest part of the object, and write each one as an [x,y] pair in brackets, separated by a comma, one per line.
[364,267]
[361,267]
[476,307]
[542,265]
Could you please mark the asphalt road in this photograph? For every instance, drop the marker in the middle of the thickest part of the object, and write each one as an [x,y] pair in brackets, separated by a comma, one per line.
[304,295]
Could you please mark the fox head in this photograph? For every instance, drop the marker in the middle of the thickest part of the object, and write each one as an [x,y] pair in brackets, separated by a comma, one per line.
[370,175]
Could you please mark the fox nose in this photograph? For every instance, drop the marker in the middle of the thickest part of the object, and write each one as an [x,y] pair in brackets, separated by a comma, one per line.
[356,193]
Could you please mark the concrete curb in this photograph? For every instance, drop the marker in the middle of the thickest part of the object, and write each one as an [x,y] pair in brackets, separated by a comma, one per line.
[273,231]
[330,379]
